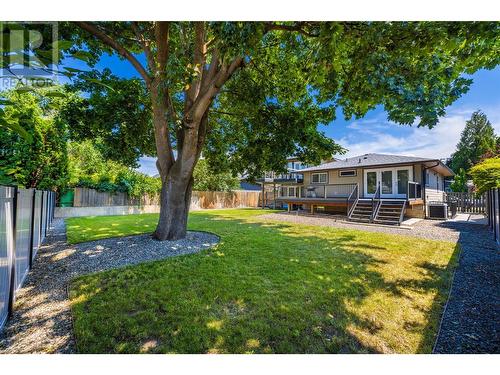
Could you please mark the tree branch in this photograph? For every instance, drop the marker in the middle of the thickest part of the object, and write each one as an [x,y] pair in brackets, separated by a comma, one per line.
[162,42]
[94,30]
[205,98]
[210,73]
[198,63]
[145,45]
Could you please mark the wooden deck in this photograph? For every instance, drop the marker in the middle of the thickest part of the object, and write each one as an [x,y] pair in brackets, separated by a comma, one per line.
[338,202]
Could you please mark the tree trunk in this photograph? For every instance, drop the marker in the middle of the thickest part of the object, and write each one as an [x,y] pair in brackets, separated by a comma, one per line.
[175,200]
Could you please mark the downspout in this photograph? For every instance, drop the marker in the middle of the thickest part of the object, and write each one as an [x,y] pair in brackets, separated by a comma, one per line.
[424,183]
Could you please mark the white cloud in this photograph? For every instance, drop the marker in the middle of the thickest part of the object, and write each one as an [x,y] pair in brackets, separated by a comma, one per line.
[377,136]
[148,166]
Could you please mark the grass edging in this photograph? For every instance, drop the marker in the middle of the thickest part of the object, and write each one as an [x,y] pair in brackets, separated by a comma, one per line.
[447,299]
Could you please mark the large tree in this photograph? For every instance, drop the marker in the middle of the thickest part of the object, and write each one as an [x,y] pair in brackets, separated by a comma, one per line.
[256,91]
[477,139]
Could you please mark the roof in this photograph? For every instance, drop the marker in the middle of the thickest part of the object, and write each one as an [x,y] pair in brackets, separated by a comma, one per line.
[372,160]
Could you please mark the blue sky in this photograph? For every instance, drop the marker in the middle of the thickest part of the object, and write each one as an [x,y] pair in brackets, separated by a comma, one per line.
[374,133]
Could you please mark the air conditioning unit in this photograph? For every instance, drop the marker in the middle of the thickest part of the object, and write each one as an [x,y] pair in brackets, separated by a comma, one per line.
[437,210]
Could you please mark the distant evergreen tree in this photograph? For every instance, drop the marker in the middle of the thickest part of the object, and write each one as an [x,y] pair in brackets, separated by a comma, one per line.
[459,183]
[477,139]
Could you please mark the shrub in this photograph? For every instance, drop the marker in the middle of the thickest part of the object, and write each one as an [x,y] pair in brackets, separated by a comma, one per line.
[486,175]
[89,169]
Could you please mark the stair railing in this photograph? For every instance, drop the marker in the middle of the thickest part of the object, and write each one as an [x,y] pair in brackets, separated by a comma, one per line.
[401,215]
[376,203]
[352,200]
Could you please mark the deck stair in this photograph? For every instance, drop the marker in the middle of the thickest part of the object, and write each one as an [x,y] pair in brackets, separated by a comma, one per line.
[363,211]
[390,212]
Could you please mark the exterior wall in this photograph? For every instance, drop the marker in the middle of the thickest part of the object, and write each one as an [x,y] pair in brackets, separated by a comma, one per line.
[433,195]
[434,186]
[417,173]
[334,178]
[416,210]
[307,177]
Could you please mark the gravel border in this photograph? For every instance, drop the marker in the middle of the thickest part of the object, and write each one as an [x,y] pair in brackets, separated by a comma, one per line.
[42,321]
[428,229]
[471,319]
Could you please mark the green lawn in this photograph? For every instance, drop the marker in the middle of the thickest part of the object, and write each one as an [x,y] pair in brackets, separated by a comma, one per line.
[269,287]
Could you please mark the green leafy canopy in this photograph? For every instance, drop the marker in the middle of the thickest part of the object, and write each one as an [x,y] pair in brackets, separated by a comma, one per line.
[40,158]
[295,75]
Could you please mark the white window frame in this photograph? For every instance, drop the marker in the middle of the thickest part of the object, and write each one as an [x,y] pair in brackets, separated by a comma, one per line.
[319,178]
[348,170]
[294,191]
[378,171]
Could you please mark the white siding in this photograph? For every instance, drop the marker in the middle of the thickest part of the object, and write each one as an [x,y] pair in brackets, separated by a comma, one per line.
[434,186]
[433,195]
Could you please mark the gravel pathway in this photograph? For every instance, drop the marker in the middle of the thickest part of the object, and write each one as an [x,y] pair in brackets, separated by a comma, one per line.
[41,322]
[430,229]
[471,320]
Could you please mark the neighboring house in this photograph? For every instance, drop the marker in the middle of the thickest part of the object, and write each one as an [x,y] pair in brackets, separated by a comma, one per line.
[370,188]
[245,185]
[271,183]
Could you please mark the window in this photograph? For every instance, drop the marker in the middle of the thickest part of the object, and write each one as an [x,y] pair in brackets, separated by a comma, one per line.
[386,180]
[371,182]
[403,178]
[291,191]
[347,173]
[319,178]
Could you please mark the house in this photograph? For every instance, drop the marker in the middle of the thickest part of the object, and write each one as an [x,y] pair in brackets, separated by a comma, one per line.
[370,188]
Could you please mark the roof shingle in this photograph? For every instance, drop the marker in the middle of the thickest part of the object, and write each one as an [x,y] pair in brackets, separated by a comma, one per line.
[368,160]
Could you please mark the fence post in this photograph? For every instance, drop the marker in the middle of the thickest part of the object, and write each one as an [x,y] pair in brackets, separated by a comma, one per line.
[32,227]
[496,192]
[41,219]
[13,265]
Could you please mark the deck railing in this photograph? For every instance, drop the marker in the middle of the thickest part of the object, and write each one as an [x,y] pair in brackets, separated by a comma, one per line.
[414,190]
[283,176]
[327,191]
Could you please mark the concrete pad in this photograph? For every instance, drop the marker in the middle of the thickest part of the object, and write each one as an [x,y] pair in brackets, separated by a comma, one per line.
[478,219]
[410,222]
[470,218]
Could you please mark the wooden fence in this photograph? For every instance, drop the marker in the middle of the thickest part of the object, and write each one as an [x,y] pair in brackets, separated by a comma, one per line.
[467,202]
[85,197]
[224,199]
[200,199]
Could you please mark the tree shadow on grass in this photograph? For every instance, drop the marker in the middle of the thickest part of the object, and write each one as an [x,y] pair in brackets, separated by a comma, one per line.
[268,288]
